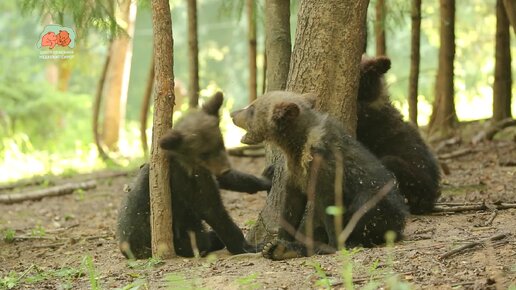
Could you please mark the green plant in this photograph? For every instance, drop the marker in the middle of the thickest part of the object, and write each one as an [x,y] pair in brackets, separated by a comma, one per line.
[38,231]
[10,281]
[9,235]
[79,194]
[145,264]
[347,266]
[92,273]
[323,281]
[250,223]
[136,285]
[248,282]
[179,282]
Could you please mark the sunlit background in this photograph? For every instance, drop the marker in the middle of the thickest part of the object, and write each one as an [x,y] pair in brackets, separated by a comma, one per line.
[43,131]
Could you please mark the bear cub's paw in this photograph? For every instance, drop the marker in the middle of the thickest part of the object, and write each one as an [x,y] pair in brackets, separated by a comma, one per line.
[280,250]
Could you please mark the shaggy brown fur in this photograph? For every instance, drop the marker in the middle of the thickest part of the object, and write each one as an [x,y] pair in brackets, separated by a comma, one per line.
[397,143]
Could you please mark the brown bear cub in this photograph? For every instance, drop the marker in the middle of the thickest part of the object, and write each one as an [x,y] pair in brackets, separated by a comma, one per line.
[198,160]
[396,143]
[289,121]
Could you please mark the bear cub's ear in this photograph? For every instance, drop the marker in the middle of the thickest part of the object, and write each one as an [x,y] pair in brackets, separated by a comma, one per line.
[378,65]
[171,140]
[213,104]
[285,111]
[382,64]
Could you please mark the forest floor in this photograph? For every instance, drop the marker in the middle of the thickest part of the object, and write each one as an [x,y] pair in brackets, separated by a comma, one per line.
[68,242]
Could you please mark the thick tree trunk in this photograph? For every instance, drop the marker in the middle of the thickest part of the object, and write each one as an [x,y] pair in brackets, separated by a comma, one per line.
[379,28]
[503,79]
[414,60]
[144,109]
[510,9]
[444,118]
[160,197]
[278,47]
[193,55]
[118,75]
[326,61]
[251,26]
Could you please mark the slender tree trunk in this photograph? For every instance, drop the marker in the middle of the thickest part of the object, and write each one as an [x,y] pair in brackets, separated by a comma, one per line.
[96,105]
[444,118]
[379,28]
[503,78]
[118,75]
[510,9]
[51,68]
[277,43]
[64,74]
[264,71]
[159,176]
[193,55]
[144,109]
[251,23]
[414,60]
[326,61]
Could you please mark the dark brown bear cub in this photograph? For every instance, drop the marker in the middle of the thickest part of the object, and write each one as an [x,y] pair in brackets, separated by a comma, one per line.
[397,143]
[197,156]
[289,121]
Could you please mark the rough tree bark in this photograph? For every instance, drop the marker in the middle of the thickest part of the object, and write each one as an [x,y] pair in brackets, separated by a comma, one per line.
[326,61]
[160,197]
[414,60]
[278,47]
[193,55]
[510,9]
[251,33]
[144,109]
[503,79]
[277,43]
[444,118]
[379,28]
[118,75]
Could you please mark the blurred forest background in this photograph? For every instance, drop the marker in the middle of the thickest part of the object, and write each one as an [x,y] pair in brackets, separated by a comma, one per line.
[47,106]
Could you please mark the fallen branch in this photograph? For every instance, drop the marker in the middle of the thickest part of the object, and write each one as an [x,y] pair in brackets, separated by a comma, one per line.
[23,183]
[472,245]
[51,180]
[489,133]
[470,207]
[491,219]
[370,278]
[52,191]
[507,163]
[448,142]
[456,153]
[54,245]
[247,151]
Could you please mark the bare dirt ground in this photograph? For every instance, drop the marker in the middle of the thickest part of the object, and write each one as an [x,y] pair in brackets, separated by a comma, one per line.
[68,242]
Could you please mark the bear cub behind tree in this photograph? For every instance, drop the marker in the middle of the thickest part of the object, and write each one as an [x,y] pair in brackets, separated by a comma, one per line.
[380,127]
[198,160]
[288,120]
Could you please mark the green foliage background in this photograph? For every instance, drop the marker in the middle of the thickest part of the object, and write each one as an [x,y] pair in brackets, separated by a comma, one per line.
[43,130]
